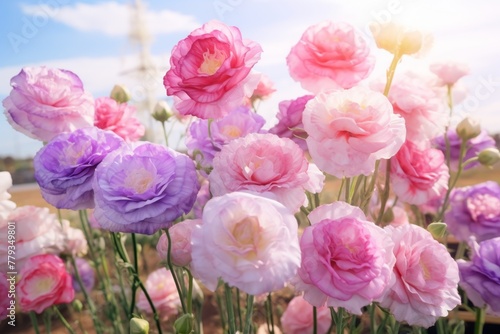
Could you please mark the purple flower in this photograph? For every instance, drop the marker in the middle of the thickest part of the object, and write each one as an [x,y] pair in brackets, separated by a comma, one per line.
[473,147]
[64,168]
[238,123]
[86,273]
[290,120]
[475,210]
[480,278]
[45,102]
[143,188]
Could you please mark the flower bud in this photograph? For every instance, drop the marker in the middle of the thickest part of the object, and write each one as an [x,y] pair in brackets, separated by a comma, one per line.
[438,230]
[184,324]
[489,156]
[77,305]
[120,94]
[139,326]
[162,111]
[468,128]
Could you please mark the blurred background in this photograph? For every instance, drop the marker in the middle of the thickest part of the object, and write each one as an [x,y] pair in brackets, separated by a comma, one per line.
[129,42]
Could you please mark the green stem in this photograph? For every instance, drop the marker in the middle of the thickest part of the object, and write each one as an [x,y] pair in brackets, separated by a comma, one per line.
[373,324]
[479,323]
[34,322]
[440,326]
[460,250]
[47,321]
[230,310]
[384,196]
[134,283]
[271,315]
[238,308]
[174,276]
[164,133]
[340,320]
[190,292]
[248,316]
[63,320]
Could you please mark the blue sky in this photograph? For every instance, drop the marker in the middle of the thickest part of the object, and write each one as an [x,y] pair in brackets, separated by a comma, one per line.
[90,37]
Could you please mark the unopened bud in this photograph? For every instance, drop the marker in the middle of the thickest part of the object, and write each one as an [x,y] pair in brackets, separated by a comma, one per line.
[162,111]
[77,305]
[184,324]
[468,128]
[438,230]
[139,326]
[489,156]
[120,94]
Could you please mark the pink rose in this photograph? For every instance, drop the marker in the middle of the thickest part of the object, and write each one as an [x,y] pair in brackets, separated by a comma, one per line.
[37,232]
[119,118]
[45,102]
[426,277]
[6,206]
[248,241]
[44,282]
[330,56]
[422,107]
[180,235]
[265,163]
[449,72]
[75,241]
[209,71]
[349,130]
[265,88]
[418,175]
[290,120]
[162,290]
[346,260]
[298,317]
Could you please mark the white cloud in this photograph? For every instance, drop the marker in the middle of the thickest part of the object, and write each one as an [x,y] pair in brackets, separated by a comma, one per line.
[111,18]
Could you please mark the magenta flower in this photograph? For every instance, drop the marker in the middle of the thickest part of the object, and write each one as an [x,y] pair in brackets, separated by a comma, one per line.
[418,175]
[475,211]
[349,130]
[426,277]
[209,71]
[64,168]
[143,188]
[265,163]
[290,120]
[238,123]
[119,118]
[330,56]
[473,147]
[45,102]
[346,260]
[480,277]
[44,282]
[248,241]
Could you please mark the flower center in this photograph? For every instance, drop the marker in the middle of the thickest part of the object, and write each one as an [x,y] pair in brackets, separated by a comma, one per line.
[140,180]
[231,131]
[483,205]
[212,61]
[246,234]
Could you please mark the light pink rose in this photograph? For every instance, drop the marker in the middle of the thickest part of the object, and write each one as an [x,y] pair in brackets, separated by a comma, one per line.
[418,175]
[6,206]
[44,282]
[119,118]
[422,107]
[426,277]
[37,232]
[209,71]
[45,102]
[75,240]
[298,317]
[5,301]
[162,290]
[265,163]
[330,56]
[349,130]
[180,235]
[265,88]
[346,260]
[248,241]
[449,72]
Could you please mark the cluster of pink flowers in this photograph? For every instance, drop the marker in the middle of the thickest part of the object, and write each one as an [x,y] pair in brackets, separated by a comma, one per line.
[231,204]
